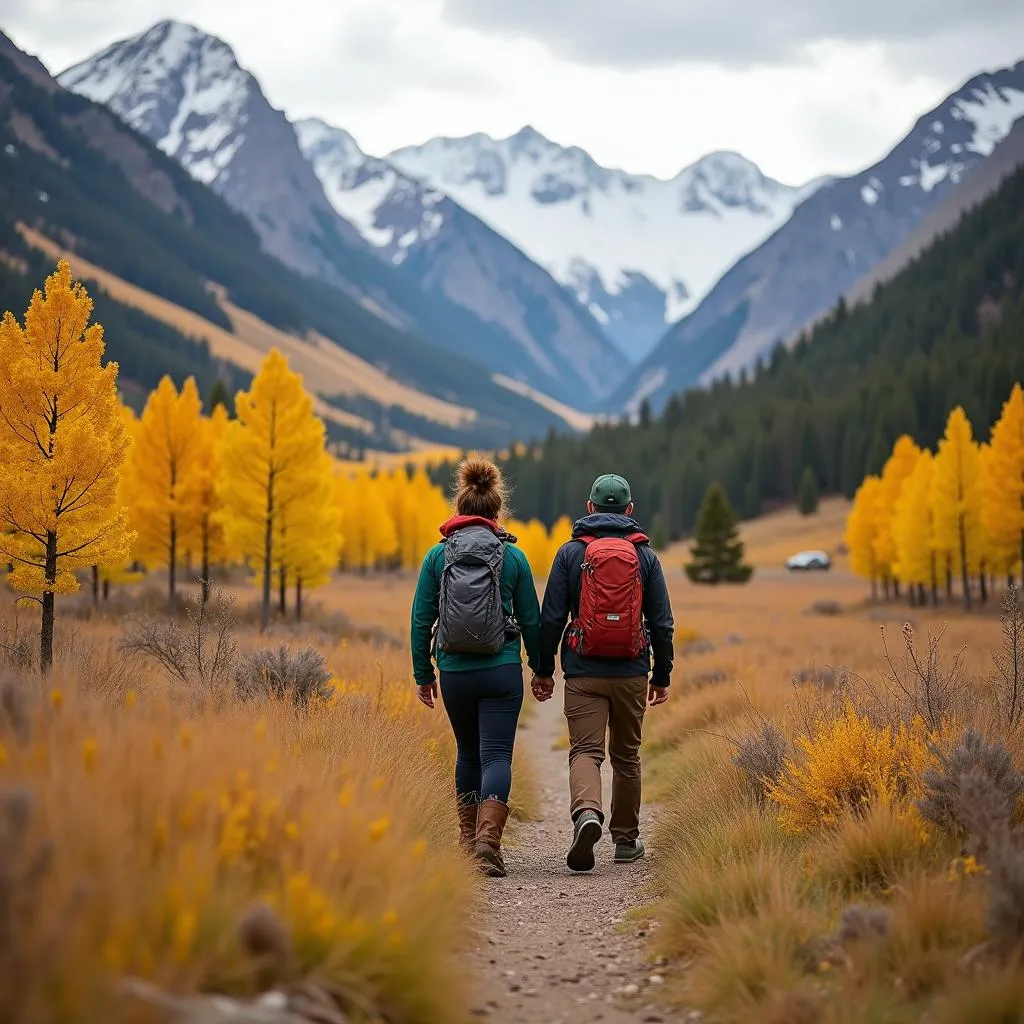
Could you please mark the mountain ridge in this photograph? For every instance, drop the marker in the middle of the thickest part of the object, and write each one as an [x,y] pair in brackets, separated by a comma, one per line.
[834,237]
[185,90]
[622,260]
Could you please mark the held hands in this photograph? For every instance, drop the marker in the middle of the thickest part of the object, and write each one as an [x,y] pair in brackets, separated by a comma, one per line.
[427,694]
[543,688]
[657,695]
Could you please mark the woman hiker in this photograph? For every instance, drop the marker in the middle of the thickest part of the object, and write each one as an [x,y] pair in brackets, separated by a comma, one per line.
[476,586]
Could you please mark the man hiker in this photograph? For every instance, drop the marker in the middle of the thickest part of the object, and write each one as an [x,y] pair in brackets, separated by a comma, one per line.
[608,583]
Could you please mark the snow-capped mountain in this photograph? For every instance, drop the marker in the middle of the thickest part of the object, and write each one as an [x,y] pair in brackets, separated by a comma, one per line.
[557,347]
[637,251]
[185,91]
[468,290]
[834,238]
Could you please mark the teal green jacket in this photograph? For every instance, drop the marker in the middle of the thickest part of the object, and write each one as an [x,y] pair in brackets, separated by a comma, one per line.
[518,597]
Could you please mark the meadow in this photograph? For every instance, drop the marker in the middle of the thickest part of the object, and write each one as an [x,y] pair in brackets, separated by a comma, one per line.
[179,822]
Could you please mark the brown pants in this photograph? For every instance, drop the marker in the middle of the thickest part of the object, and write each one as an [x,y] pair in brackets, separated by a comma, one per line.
[593,706]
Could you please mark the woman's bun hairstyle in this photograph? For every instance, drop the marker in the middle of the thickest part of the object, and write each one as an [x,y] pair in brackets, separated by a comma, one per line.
[481,489]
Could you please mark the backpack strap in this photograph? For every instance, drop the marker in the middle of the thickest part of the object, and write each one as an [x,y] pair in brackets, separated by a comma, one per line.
[638,538]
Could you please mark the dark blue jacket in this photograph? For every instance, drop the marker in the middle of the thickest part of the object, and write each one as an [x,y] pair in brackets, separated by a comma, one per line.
[561,605]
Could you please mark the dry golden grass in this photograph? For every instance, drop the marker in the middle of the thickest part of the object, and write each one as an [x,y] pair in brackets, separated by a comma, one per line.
[166,823]
[327,368]
[755,905]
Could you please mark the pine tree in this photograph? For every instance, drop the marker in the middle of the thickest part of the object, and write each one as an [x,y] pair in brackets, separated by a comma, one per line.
[271,444]
[807,496]
[218,398]
[956,499]
[717,551]
[1003,497]
[913,529]
[165,459]
[862,526]
[62,447]
[659,532]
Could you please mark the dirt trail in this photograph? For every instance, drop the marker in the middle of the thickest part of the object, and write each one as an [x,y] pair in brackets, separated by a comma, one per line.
[553,946]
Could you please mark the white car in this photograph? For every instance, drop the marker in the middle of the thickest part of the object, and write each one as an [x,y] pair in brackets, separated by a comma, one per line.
[807,560]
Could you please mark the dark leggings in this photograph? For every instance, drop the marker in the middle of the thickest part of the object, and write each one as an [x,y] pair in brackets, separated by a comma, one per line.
[483,706]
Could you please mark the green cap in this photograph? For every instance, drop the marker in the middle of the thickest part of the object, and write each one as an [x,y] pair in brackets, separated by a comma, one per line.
[610,491]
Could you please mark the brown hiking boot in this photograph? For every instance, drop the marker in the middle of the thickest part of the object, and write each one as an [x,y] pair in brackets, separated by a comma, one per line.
[490,823]
[467,824]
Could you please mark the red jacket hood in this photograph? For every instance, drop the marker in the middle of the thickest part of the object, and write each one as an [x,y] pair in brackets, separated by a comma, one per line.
[459,522]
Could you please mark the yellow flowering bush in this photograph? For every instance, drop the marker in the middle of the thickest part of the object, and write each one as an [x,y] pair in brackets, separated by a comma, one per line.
[848,764]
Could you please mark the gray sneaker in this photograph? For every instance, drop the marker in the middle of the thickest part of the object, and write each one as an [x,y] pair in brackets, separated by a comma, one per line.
[626,853]
[584,838]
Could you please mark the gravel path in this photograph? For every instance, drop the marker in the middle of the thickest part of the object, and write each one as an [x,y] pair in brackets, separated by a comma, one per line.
[557,947]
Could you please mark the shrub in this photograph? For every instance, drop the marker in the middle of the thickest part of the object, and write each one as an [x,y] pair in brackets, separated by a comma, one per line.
[846,765]
[299,675]
[942,801]
[1009,662]
[761,757]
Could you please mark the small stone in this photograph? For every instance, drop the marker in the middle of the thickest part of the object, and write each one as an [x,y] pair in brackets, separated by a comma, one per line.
[631,989]
[514,986]
[510,974]
[656,979]
[479,1011]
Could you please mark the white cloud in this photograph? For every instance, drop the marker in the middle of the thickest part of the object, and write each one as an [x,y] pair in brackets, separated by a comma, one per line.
[395,72]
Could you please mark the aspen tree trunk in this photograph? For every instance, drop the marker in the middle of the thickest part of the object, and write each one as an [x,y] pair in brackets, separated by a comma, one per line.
[268,552]
[172,564]
[282,590]
[874,589]
[896,589]
[95,585]
[204,583]
[935,582]
[949,578]
[983,583]
[106,590]
[298,598]
[964,577]
[46,625]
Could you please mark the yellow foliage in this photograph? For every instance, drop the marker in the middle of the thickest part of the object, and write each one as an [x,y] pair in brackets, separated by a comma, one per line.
[897,469]
[366,521]
[272,454]
[862,529]
[912,525]
[847,765]
[1002,512]
[62,444]
[165,460]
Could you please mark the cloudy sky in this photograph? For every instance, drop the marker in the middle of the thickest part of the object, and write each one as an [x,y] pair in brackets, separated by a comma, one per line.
[802,87]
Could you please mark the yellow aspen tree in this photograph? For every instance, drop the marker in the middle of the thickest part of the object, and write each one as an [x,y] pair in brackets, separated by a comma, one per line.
[561,531]
[271,443]
[165,458]
[897,468]
[956,499]
[62,447]
[913,530]
[862,531]
[202,497]
[1003,500]
[366,522]
[313,540]
[532,540]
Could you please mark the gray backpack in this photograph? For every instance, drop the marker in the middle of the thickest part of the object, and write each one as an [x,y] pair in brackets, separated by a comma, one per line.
[470,617]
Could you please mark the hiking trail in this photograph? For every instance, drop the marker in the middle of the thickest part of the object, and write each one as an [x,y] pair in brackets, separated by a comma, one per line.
[553,947]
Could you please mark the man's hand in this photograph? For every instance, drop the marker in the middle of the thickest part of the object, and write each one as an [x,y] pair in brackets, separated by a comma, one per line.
[427,694]
[543,688]
[657,695]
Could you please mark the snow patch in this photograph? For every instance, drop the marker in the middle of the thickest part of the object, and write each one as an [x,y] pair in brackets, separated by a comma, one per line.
[869,195]
[992,111]
[836,222]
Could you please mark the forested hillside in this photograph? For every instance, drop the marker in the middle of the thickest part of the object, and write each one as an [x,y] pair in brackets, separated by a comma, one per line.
[78,176]
[948,331]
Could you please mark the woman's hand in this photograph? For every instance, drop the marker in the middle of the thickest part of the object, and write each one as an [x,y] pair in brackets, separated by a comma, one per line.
[543,689]
[427,694]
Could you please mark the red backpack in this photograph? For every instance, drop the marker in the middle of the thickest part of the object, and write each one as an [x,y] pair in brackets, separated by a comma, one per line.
[610,619]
